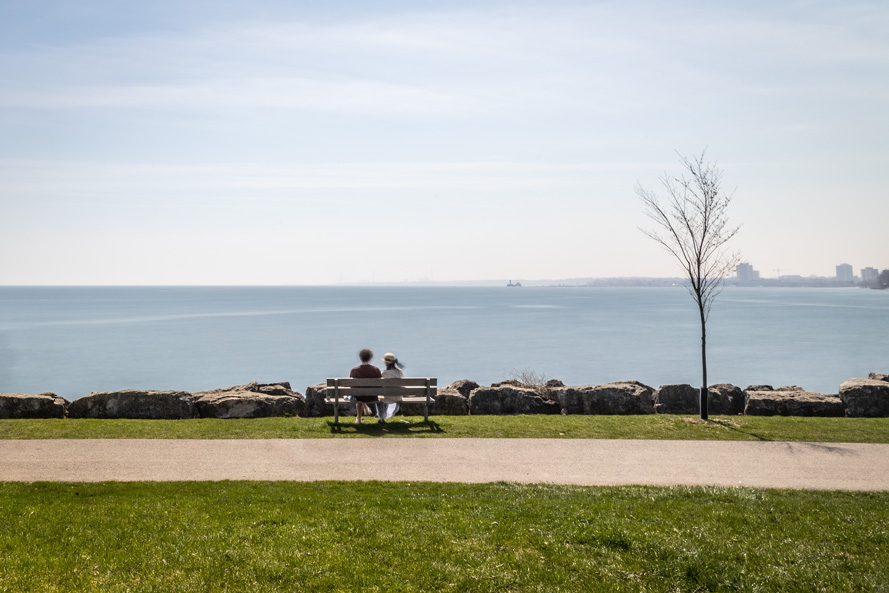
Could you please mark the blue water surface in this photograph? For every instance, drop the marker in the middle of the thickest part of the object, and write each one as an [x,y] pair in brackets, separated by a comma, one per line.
[75,340]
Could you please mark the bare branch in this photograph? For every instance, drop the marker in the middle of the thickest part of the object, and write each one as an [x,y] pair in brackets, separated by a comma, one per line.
[693,227]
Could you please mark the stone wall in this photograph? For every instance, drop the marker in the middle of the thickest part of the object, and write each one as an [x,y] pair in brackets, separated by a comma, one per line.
[253,400]
[135,404]
[857,398]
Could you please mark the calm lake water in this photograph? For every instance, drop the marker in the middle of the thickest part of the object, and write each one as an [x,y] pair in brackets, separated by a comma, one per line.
[72,341]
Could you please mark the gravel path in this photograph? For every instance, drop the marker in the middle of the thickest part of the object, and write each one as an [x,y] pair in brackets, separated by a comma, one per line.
[822,466]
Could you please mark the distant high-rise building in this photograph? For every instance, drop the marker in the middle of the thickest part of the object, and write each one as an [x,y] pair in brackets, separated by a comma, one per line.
[746,273]
[869,274]
[844,274]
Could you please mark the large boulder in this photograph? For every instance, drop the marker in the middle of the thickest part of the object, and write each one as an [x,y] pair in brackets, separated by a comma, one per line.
[23,405]
[878,377]
[315,406]
[722,399]
[463,387]
[510,399]
[725,399]
[253,400]
[793,401]
[134,403]
[452,400]
[865,397]
[622,397]
[677,399]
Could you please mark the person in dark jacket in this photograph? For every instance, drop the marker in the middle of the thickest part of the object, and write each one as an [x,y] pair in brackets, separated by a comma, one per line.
[364,371]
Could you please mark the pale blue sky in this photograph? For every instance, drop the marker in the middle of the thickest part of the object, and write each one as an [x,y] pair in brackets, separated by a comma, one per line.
[306,142]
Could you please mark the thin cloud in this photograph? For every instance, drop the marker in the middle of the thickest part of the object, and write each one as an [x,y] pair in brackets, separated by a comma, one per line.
[287,94]
[23,178]
[462,63]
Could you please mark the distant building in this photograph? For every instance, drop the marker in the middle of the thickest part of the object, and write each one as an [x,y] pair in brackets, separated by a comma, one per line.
[844,274]
[869,274]
[746,273]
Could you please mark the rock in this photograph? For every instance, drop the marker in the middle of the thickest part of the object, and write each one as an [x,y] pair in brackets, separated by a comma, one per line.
[279,388]
[553,383]
[452,400]
[759,388]
[725,399]
[878,377]
[23,405]
[253,400]
[867,398]
[507,398]
[677,399]
[464,387]
[722,399]
[508,383]
[622,397]
[315,406]
[793,401]
[134,403]
[447,403]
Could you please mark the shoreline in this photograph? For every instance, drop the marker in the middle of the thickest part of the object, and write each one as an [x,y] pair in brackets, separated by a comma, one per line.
[856,398]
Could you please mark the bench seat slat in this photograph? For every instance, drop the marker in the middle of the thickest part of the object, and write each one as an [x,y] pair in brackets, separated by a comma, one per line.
[407,400]
[405,382]
[386,391]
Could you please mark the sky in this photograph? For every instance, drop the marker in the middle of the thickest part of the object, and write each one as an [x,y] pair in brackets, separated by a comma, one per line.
[292,142]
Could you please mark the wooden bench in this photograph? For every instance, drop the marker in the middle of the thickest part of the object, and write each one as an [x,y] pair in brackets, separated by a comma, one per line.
[419,390]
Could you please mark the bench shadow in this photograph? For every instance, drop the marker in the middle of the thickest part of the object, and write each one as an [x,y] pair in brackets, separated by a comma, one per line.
[392,427]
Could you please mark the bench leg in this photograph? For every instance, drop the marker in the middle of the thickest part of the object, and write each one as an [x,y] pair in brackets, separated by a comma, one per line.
[426,407]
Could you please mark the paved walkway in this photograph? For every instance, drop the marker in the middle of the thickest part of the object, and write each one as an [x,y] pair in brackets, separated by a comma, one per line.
[823,466]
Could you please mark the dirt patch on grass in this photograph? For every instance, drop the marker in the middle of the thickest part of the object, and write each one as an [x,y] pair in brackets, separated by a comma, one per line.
[721,422]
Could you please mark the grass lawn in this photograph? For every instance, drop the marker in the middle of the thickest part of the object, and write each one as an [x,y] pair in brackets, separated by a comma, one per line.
[729,428]
[399,537]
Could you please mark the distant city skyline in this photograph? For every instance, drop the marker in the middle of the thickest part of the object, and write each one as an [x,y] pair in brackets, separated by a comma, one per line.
[844,274]
[300,143]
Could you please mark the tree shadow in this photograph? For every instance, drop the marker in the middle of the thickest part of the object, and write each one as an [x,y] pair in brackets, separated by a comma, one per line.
[735,428]
[727,424]
[392,427]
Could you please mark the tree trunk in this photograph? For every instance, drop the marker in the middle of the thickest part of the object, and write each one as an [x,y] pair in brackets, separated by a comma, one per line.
[704,414]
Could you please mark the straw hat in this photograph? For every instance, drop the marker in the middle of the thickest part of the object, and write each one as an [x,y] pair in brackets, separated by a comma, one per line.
[389,357]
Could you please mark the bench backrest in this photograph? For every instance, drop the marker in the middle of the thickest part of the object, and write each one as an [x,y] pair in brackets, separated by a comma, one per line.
[408,386]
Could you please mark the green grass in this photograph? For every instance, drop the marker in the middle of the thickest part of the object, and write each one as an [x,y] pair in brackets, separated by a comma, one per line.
[734,428]
[400,537]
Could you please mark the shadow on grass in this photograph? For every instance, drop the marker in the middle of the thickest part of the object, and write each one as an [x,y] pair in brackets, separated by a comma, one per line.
[729,425]
[376,429]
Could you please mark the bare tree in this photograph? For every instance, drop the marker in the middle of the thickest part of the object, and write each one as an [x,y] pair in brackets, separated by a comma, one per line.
[693,226]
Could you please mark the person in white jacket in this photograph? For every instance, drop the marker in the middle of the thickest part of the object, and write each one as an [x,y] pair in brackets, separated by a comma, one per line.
[388,405]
